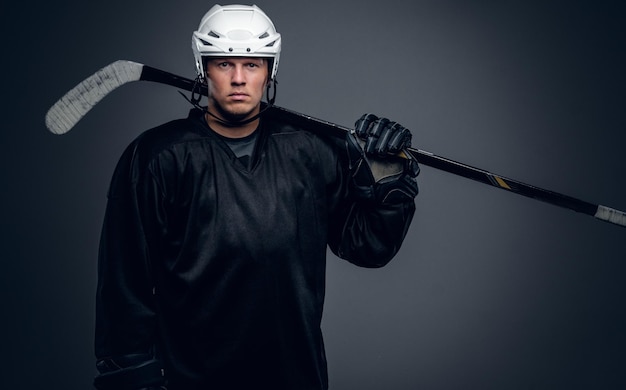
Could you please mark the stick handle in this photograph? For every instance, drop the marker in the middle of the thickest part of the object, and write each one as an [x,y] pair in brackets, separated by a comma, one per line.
[611,215]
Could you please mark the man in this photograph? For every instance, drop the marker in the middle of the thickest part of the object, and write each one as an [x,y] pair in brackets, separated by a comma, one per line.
[212,259]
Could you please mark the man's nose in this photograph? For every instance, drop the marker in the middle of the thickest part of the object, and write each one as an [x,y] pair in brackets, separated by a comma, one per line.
[238,76]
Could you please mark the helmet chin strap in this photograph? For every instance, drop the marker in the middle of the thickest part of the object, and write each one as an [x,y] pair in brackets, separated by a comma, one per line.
[196,96]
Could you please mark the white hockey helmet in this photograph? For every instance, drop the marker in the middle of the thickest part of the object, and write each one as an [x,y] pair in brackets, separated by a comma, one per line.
[236,31]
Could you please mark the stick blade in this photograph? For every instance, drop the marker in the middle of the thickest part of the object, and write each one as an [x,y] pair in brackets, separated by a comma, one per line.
[77,102]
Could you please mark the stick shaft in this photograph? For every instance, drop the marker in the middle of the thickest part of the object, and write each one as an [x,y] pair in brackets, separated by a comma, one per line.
[160,76]
[432,160]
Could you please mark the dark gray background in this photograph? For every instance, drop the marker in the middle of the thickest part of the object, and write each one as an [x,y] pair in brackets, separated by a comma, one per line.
[491,290]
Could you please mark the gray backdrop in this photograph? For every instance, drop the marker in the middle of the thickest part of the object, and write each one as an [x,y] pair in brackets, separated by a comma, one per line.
[491,290]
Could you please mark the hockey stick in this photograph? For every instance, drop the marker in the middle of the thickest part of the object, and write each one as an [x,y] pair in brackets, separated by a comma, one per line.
[75,104]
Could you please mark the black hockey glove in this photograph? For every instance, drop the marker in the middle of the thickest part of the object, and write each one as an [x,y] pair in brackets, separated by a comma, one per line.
[379,175]
[130,372]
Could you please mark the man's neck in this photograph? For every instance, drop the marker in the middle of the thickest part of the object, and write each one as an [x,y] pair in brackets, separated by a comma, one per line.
[231,131]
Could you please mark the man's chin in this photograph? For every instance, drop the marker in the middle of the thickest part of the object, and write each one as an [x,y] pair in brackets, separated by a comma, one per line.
[237,112]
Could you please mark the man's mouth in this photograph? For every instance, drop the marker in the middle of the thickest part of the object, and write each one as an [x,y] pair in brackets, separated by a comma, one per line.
[238,95]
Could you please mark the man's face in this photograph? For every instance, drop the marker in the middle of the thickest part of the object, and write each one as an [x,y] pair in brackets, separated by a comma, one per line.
[236,86]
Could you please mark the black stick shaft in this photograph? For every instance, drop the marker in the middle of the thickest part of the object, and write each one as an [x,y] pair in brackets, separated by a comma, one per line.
[425,158]
[149,73]
[429,159]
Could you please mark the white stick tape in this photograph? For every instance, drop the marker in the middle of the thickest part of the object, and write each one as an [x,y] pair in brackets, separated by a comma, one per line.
[66,112]
[611,215]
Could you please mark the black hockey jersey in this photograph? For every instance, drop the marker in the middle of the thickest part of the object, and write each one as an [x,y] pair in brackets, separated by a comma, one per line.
[221,267]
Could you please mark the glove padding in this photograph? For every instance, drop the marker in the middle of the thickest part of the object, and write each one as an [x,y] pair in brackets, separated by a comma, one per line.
[379,174]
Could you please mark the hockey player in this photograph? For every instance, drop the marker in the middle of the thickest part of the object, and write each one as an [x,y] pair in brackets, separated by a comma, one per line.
[213,250]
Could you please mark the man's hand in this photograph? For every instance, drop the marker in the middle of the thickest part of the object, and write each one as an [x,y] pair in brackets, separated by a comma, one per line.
[379,174]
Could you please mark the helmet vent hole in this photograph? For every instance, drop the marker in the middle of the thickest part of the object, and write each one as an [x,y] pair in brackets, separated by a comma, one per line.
[213,34]
[264,35]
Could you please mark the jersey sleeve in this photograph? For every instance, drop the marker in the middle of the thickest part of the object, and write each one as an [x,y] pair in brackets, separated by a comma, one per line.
[125,312]
[364,233]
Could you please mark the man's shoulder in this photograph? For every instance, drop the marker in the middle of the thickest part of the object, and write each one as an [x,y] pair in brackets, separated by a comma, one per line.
[284,122]
[152,142]
[163,137]
[171,133]
[281,129]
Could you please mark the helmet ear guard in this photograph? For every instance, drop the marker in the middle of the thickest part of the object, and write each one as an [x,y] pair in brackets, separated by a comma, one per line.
[236,31]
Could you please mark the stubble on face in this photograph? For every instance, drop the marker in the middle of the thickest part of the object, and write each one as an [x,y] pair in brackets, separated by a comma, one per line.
[233,113]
